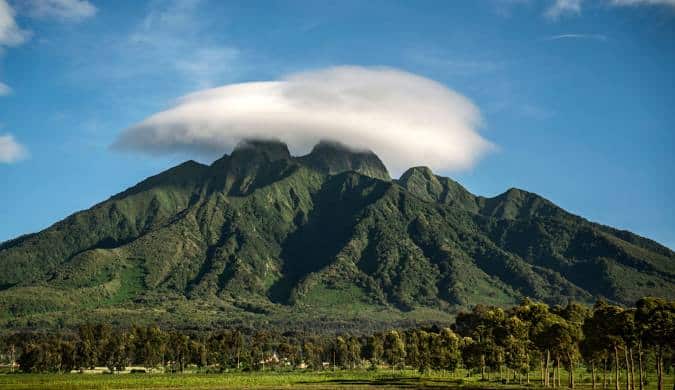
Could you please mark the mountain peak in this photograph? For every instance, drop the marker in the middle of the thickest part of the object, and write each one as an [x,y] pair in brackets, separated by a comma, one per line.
[272,150]
[422,182]
[333,157]
[423,171]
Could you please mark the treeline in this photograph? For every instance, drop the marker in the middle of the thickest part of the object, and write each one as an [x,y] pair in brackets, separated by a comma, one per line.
[505,344]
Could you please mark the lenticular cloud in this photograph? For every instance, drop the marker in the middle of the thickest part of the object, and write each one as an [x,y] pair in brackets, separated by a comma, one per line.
[406,119]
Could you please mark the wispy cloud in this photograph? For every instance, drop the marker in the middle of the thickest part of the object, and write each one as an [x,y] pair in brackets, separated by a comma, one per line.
[454,65]
[670,3]
[173,41]
[505,8]
[597,37]
[563,7]
[4,89]
[10,33]
[173,35]
[62,10]
[10,150]
[406,119]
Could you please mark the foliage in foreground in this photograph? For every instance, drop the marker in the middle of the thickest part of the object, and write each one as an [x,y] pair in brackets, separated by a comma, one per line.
[489,341]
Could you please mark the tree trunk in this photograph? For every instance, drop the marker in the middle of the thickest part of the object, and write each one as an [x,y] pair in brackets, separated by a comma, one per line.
[632,368]
[546,366]
[593,373]
[604,374]
[12,358]
[558,368]
[640,365]
[616,367]
[571,373]
[659,366]
[482,367]
[625,355]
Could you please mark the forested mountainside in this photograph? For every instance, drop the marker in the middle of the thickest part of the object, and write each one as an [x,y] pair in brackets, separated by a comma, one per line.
[260,235]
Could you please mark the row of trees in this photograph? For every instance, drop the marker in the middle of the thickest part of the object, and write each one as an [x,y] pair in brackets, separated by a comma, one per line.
[507,344]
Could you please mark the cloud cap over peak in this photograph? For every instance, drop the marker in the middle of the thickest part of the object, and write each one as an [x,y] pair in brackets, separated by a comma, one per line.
[406,119]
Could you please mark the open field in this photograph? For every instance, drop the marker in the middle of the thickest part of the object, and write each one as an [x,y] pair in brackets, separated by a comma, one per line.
[280,379]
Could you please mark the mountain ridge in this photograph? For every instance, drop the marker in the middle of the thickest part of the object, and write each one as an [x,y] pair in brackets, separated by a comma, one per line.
[260,234]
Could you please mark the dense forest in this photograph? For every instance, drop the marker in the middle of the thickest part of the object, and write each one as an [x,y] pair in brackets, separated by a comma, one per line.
[529,343]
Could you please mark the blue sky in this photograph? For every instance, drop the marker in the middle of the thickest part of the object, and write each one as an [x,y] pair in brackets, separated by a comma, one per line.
[575,96]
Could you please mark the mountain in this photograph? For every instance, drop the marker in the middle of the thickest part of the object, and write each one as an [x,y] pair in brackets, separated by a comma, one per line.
[326,238]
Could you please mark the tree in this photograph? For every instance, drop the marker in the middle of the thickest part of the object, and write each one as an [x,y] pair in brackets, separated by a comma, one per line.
[656,318]
[149,345]
[394,349]
[198,353]
[114,352]
[39,357]
[571,334]
[312,354]
[425,352]
[374,349]
[87,352]
[593,348]
[68,358]
[472,355]
[629,334]
[179,349]
[480,325]
[565,339]
[445,348]
[516,344]
[237,346]
[354,351]
[412,348]
[607,321]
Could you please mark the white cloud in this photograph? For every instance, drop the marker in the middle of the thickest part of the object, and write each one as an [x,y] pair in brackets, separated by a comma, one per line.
[643,2]
[598,37]
[574,7]
[10,33]
[5,89]
[563,7]
[63,10]
[406,119]
[10,150]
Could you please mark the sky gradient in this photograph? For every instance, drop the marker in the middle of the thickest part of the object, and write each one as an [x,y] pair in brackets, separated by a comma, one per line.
[575,96]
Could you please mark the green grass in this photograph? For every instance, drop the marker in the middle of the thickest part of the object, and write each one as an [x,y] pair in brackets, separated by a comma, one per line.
[131,281]
[279,379]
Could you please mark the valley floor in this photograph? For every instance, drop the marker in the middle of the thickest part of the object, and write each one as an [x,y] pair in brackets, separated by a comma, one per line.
[352,379]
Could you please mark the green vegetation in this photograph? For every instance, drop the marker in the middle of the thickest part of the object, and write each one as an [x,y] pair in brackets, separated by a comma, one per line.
[327,379]
[326,241]
[530,344]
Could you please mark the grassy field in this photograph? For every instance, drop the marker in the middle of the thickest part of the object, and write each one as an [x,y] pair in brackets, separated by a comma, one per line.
[271,379]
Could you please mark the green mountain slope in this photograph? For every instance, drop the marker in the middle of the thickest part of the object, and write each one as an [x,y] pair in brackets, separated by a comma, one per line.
[326,237]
